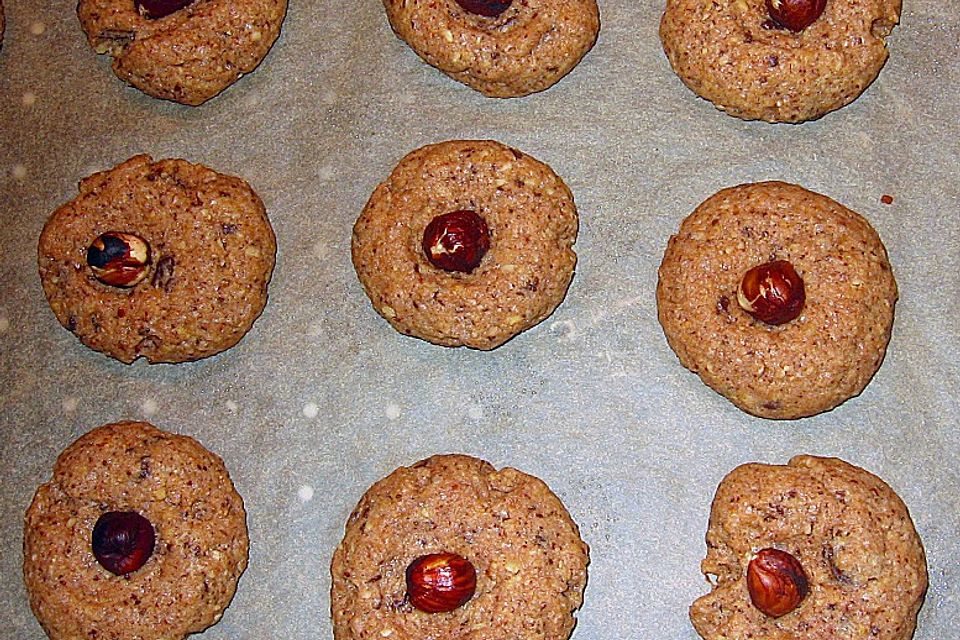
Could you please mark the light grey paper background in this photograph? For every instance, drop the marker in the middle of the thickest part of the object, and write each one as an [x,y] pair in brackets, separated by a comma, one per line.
[322,397]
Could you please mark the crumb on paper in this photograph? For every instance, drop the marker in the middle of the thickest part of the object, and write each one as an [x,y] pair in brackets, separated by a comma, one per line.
[149,407]
[311,410]
[305,493]
[392,411]
[886,199]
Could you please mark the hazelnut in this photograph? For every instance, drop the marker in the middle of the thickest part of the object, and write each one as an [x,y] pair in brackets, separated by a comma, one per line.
[772,292]
[456,241]
[154,9]
[795,15]
[122,541]
[777,582]
[440,582]
[488,8]
[119,259]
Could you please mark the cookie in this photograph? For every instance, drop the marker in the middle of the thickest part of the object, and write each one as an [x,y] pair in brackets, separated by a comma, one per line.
[526,552]
[527,222]
[735,55]
[179,50]
[198,281]
[858,554]
[198,523]
[791,369]
[500,48]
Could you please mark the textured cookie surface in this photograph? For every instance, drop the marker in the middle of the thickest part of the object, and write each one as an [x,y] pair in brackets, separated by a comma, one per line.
[199,522]
[803,367]
[728,52]
[527,552]
[850,532]
[190,55]
[527,48]
[522,278]
[212,254]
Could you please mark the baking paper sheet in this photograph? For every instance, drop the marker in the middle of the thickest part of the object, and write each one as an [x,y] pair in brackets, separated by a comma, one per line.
[322,397]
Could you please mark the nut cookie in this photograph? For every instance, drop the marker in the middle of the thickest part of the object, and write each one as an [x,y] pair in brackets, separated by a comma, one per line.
[468,242]
[180,50]
[122,473]
[164,260]
[523,555]
[847,561]
[502,49]
[815,252]
[738,56]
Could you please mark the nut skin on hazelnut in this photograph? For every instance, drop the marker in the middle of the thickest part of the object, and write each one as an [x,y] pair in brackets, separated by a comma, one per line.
[153,9]
[487,8]
[456,241]
[440,582]
[795,15]
[776,582]
[122,541]
[119,259]
[772,292]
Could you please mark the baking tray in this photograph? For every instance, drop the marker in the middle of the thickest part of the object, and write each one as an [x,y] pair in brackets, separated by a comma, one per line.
[322,397]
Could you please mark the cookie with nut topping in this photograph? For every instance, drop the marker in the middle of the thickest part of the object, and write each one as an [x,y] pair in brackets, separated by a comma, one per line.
[163,260]
[467,243]
[817,549]
[187,51]
[779,298]
[778,60]
[139,534]
[450,544]
[501,48]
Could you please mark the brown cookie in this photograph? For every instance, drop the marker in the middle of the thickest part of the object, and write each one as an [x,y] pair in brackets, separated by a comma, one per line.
[187,55]
[733,54]
[184,493]
[804,366]
[850,534]
[210,255]
[529,560]
[531,224]
[502,49]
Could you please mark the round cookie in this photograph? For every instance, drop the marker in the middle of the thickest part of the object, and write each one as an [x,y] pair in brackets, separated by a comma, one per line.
[526,47]
[530,561]
[851,534]
[810,364]
[731,53]
[199,522]
[212,252]
[532,222]
[190,55]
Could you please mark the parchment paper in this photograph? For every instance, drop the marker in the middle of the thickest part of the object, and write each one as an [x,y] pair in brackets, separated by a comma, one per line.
[322,397]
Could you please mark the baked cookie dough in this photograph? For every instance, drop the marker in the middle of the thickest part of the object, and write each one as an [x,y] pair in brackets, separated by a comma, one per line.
[852,535]
[807,365]
[187,56]
[731,53]
[211,254]
[201,545]
[529,559]
[500,48]
[532,224]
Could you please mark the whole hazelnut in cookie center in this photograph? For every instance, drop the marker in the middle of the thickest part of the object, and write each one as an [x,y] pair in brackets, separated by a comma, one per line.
[456,241]
[486,8]
[795,15]
[122,541]
[772,293]
[154,9]
[119,259]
